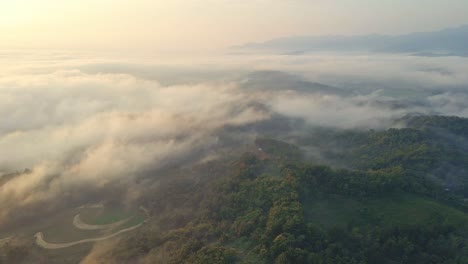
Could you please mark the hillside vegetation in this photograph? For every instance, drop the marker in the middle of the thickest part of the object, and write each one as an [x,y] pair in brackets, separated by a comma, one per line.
[396,196]
[388,206]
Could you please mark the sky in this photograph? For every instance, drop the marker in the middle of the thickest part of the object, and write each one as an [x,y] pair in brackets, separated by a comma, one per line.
[208,25]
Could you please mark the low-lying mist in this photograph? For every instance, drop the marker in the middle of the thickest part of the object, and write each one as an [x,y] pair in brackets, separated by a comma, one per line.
[87,129]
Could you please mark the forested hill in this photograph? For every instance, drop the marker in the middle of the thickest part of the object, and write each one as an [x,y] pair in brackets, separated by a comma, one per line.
[430,148]
[272,205]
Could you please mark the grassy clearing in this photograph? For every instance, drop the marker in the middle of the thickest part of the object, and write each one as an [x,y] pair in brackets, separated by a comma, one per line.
[104,216]
[399,209]
[407,209]
[331,210]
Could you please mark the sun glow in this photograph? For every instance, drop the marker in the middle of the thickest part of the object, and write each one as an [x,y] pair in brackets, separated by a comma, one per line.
[207,25]
[13,13]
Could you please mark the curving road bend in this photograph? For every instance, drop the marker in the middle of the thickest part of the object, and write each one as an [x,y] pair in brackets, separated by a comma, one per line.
[42,243]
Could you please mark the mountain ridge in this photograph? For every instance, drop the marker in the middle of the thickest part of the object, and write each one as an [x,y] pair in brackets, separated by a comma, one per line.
[444,42]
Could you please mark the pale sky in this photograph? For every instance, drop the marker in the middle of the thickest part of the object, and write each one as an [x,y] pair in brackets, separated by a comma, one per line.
[203,25]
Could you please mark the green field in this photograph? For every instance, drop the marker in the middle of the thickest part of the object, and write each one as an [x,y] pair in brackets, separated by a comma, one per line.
[407,209]
[331,210]
[398,209]
[105,215]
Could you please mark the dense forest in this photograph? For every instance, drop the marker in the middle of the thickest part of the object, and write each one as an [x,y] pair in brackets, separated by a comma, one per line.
[391,203]
[388,196]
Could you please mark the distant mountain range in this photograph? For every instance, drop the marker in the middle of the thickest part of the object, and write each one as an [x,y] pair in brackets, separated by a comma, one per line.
[446,42]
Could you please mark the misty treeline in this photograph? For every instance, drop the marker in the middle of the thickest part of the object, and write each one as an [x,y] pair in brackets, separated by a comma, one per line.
[273,204]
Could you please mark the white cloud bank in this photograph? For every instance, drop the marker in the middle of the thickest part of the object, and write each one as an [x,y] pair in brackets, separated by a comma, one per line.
[74,129]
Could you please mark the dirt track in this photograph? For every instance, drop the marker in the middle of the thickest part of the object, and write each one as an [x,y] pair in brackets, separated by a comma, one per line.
[42,243]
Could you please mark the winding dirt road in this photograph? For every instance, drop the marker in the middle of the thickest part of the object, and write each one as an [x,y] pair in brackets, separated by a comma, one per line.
[42,243]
